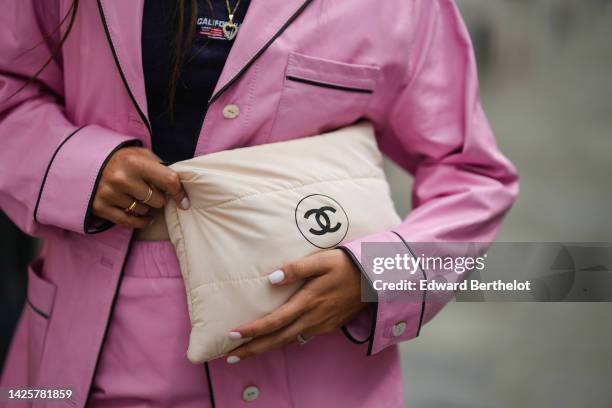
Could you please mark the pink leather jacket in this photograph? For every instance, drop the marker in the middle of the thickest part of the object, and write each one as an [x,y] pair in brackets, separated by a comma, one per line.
[298,68]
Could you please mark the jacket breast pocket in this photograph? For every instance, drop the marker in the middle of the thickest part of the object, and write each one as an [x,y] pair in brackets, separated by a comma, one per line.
[39,305]
[319,95]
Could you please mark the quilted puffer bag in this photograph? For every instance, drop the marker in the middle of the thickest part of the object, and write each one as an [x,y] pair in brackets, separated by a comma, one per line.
[255,208]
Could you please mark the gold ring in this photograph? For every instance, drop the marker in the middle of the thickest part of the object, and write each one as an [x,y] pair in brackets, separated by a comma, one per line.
[131,207]
[149,195]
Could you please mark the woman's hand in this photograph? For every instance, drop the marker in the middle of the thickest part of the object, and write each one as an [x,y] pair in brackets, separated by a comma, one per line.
[329,298]
[128,175]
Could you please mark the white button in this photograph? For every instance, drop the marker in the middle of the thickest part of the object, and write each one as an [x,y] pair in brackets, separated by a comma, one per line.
[250,393]
[231,111]
[399,328]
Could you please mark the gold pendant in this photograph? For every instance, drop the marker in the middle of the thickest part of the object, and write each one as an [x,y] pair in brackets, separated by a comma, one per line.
[230,29]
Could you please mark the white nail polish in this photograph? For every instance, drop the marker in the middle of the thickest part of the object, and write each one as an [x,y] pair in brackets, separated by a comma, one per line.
[185,203]
[276,277]
[235,335]
[232,359]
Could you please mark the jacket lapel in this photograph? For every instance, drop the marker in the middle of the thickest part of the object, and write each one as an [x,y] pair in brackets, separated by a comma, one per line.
[122,22]
[264,22]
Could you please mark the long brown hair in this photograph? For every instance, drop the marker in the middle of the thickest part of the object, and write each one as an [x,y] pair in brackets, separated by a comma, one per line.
[71,17]
[182,43]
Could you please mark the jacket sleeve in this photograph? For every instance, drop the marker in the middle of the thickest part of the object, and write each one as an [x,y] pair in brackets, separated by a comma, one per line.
[463,185]
[49,166]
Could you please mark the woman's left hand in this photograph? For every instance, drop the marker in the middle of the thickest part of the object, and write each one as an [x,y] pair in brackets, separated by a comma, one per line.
[329,298]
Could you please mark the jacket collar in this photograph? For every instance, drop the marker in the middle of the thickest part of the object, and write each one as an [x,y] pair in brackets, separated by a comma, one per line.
[255,37]
[122,21]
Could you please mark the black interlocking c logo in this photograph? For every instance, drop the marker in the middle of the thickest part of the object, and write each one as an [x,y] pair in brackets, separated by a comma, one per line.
[322,220]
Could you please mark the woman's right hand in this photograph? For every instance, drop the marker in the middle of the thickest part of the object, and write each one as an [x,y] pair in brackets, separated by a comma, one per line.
[127,176]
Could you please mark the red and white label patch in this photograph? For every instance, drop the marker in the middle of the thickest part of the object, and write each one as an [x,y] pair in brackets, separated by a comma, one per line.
[211,28]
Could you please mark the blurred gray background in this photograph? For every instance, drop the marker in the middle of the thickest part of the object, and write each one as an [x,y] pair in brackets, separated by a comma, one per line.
[546,84]
[545,68]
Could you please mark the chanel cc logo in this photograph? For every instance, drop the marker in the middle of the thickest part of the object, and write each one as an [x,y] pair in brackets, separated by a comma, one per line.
[321,220]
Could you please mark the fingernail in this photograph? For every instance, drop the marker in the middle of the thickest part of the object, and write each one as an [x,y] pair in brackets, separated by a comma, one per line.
[232,359]
[235,335]
[276,277]
[185,203]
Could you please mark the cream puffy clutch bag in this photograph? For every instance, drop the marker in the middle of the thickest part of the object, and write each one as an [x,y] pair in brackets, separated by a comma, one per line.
[255,208]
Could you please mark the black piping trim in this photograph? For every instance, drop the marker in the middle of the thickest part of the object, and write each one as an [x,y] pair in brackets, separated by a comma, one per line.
[352,338]
[261,51]
[210,387]
[328,85]
[424,292]
[370,338]
[89,214]
[123,78]
[44,180]
[37,310]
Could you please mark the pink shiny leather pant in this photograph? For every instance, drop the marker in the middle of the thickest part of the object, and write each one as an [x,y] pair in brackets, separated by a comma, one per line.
[143,362]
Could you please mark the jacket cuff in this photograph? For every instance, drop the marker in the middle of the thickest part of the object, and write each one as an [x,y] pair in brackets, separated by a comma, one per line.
[390,320]
[66,194]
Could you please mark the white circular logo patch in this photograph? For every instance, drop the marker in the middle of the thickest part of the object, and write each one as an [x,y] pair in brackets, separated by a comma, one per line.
[321,220]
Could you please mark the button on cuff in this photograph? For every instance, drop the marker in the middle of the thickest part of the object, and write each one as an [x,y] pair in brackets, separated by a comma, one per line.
[250,393]
[399,328]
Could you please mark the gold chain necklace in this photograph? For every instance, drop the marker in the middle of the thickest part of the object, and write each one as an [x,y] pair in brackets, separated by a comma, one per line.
[230,29]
